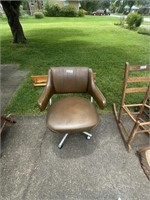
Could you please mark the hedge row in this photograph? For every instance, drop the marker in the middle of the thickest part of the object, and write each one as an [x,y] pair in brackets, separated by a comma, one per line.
[67,11]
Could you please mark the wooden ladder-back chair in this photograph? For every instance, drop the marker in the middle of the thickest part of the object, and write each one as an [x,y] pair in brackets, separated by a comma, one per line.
[136,80]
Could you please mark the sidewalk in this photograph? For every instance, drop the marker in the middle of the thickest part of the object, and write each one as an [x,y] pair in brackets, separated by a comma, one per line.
[10,78]
[33,168]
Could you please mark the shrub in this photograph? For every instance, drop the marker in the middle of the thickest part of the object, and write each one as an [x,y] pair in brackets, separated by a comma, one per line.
[134,20]
[38,15]
[81,13]
[54,11]
[139,20]
[46,8]
[23,13]
[51,10]
[68,11]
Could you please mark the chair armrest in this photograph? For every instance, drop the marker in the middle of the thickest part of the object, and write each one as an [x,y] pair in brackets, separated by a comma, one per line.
[47,94]
[98,96]
[94,91]
[44,98]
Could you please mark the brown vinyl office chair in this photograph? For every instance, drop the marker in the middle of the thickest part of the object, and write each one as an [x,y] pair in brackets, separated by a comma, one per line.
[72,114]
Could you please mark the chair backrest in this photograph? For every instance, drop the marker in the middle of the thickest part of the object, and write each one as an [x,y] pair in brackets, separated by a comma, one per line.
[63,80]
[69,79]
[136,80]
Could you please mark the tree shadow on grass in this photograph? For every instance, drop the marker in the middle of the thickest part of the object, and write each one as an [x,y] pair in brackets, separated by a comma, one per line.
[67,46]
[72,47]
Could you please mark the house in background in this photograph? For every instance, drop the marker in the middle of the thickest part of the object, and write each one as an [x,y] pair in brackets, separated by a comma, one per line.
[35,5]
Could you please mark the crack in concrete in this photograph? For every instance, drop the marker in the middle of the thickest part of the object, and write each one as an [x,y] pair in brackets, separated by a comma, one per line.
[33,168]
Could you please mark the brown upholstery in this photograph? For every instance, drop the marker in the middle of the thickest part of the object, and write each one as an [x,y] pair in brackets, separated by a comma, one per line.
[68,82]
[71,114]
[74,114]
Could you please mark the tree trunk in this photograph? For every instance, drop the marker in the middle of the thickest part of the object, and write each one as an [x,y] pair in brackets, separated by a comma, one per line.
[131,3]
[11,9]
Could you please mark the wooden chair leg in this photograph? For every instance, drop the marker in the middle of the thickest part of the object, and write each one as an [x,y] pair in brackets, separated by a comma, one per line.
[133,133]
[119,114]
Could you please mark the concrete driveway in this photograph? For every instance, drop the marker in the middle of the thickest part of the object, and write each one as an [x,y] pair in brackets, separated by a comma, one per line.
[33,168]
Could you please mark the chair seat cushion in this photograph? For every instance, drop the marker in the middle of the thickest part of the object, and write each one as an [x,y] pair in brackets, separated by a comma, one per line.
[72,114]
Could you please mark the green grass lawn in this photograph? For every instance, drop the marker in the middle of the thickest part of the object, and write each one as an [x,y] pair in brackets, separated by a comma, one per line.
[90,41]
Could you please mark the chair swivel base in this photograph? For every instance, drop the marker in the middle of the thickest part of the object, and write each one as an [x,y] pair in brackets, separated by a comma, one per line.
[60,145]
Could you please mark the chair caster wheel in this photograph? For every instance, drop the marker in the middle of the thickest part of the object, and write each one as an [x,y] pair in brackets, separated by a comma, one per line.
[60,146]
[88,137]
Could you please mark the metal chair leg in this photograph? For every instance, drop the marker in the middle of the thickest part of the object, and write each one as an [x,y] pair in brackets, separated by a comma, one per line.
[60,145]
[88,135]
[62,141]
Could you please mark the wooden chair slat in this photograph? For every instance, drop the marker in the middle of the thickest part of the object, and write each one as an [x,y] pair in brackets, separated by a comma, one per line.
[135,90]
[138,68]
[138,79]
